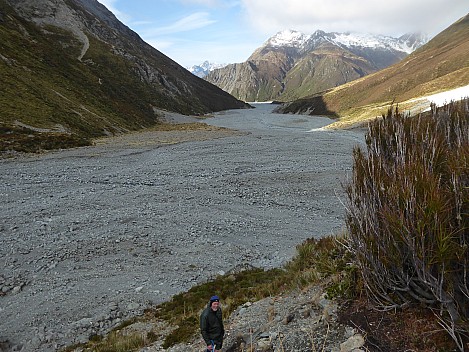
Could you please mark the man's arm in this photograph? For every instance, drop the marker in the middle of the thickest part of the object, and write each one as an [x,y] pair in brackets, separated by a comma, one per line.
[221,322]
[203,327]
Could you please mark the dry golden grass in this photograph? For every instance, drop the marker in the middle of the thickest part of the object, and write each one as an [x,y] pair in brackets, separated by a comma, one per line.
[166,134]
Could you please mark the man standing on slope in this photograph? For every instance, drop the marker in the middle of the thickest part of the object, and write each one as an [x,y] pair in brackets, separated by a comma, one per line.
[211,325]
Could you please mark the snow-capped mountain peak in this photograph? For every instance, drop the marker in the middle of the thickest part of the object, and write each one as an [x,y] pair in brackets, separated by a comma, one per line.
[291,38]
[288,38]
[204,68]
[413,40]
[407,43]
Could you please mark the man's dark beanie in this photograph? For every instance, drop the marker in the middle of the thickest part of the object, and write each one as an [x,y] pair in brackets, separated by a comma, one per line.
[214,299]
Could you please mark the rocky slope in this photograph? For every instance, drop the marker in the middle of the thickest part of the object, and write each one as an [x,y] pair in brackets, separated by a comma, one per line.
[73,68]
[292,64]
[296,321]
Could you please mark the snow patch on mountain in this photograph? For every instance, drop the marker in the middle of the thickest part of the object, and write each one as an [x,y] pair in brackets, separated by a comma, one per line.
[446,97]
[375,41]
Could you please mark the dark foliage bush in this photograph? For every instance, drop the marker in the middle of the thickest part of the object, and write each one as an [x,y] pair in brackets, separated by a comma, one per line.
[22,139]
[407,213]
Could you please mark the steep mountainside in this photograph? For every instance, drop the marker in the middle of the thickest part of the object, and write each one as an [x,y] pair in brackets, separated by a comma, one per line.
[71,66]
[440,65]
[291,64]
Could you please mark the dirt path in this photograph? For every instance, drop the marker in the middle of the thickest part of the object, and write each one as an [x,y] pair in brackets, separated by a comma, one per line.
[93,235]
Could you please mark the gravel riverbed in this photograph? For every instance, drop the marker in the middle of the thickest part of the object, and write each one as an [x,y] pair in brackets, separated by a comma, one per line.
[92,236]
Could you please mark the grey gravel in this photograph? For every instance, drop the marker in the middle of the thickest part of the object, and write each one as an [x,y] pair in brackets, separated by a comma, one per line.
[92,236]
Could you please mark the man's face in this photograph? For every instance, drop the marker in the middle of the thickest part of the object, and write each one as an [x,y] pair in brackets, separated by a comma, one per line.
[215,305]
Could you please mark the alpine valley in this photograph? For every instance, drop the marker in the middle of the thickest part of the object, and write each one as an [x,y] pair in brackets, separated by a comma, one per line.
[292,64]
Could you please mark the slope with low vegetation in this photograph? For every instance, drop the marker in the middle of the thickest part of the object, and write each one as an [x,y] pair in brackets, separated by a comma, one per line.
[441,64]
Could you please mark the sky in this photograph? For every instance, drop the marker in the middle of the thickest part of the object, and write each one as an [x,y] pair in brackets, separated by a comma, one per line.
[228,31]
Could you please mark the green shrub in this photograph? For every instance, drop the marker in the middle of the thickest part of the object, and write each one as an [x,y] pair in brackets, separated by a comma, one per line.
[407,212]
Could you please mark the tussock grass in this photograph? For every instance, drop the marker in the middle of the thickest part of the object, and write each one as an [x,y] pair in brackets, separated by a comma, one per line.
[116,344]
[328,261]
[407,215]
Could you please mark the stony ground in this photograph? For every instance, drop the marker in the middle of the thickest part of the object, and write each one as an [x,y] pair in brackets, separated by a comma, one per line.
[296,321]
[93,235]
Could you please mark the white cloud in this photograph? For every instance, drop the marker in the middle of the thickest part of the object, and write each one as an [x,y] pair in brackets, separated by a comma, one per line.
[110,6]
[382,17]
[194,21]
[211,3]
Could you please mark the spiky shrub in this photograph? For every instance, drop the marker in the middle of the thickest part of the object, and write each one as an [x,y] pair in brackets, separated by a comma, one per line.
[407,213]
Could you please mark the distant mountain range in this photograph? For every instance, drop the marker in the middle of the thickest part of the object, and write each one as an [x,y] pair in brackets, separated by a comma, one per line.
[72,66]
[204,68]
[440,65]
[292,64]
